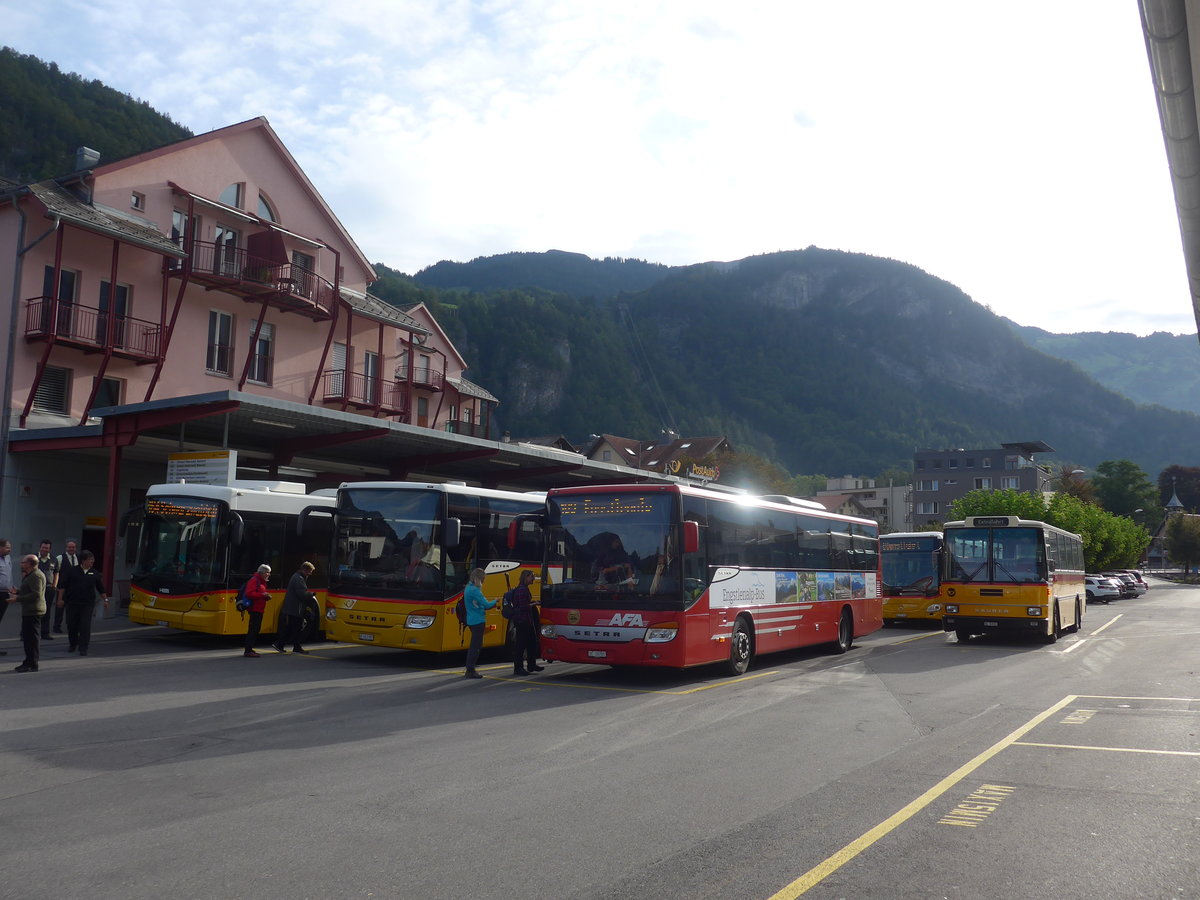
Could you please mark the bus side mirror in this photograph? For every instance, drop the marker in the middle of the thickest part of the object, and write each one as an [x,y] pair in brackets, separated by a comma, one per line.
[306,512]
[127,517]
[691,536]
[237,529]
[452,533]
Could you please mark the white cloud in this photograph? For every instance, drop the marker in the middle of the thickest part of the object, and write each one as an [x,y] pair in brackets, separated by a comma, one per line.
[1013,150]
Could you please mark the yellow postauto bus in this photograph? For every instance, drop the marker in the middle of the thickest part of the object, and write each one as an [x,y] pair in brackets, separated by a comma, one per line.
[402,554]
[1003,574]
[195,545]
[911,565]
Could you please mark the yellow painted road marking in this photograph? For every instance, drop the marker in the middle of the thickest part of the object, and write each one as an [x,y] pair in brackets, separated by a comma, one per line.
[821,871]
[919,637]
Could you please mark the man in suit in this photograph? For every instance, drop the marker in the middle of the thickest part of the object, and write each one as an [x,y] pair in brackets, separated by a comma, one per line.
[32,597]
[64,561]
[77,592]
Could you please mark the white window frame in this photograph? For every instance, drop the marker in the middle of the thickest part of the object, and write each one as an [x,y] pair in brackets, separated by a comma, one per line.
[212,355]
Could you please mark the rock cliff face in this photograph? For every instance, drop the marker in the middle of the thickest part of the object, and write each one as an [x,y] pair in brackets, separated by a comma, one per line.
[823,360]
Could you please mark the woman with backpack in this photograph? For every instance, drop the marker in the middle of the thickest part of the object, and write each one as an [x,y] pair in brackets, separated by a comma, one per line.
[524,619]
[477,606]
[258,595]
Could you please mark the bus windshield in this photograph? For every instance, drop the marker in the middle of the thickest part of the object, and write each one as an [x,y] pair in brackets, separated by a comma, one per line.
[613,551]
[1014,555]
[909,566]
[388,539]
[182,542]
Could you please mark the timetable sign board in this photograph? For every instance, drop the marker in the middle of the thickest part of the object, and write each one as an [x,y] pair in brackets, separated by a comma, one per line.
[203,467]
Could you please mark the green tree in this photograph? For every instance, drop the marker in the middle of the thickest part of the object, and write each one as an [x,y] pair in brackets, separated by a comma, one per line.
[998,503]
[1122,487]
[1068,479]
[1183,540]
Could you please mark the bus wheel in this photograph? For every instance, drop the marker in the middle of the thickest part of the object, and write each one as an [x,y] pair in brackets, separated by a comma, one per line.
[963,635]
[845,636]
[310,622]
[741,647]
[1055,627]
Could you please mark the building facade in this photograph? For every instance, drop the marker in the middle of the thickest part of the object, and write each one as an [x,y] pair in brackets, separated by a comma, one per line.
[942,476]
[888,505]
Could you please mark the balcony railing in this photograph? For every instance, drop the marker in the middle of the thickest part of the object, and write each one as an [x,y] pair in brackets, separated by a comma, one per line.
[359,390]
[234,270]
[423,377]
[91,328]
[470,429]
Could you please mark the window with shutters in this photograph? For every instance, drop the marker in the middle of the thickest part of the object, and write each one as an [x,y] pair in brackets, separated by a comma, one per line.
[54,391]
[262,357]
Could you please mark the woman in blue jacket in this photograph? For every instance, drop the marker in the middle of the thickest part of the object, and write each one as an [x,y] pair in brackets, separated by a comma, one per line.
[477,606]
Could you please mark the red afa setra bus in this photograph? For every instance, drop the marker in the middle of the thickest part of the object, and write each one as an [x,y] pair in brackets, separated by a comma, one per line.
[678,576]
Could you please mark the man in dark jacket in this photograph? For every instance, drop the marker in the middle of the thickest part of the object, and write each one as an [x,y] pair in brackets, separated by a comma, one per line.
[291,613]
[78,589]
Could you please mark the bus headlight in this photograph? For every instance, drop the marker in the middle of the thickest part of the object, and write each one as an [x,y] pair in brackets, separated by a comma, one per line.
[1034,610]
[331,614]
[549,631]
[418,620]
[933,609]
[661,634]
[952,609]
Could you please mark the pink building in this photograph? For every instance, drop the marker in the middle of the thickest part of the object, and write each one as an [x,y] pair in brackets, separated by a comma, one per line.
[202,283]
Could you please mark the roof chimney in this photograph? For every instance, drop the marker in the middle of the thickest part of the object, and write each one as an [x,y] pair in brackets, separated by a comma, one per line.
[86,158]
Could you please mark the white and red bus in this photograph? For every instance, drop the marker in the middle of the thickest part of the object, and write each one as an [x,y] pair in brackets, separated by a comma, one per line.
[674,575]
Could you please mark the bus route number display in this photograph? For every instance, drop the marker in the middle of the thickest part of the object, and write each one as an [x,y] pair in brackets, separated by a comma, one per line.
[174,510]
[619,504]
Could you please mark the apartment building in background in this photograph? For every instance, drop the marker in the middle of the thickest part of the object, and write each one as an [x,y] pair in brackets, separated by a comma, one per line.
[942,476]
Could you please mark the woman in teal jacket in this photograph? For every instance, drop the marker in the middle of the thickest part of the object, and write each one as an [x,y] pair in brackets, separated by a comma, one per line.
[477,606]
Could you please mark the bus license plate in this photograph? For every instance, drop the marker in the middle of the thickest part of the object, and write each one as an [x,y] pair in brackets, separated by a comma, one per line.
[161,622]
[597,654]
[366,637]
[992,624]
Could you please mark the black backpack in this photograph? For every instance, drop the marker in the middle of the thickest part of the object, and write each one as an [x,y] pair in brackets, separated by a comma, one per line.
[506,603]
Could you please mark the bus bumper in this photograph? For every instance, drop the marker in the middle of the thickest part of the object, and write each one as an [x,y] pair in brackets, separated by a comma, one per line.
[995,625]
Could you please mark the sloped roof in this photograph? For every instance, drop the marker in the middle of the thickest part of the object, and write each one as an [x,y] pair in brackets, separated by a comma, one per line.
[654,455]
[471,389]
[841,502]
[95,217]
[381,311]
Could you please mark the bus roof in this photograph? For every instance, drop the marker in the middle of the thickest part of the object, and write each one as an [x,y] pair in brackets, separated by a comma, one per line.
[692,490]
[1005,522]
[912,534]
[447,487]
[244,495]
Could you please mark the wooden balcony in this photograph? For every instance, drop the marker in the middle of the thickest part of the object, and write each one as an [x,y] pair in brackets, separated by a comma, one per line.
[92,329]
[234,270]
[360,391]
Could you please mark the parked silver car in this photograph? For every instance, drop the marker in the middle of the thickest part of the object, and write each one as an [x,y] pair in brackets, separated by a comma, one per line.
[1129,584]
[1101,588]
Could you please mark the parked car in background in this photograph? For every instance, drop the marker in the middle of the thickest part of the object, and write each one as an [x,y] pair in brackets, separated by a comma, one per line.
[1129,584]
[1102,589]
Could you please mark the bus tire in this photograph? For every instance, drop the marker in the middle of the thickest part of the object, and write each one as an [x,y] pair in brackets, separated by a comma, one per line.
[963,635]
[1078,626]
[741,647]
[310,622]
[845,638]
[1055,627]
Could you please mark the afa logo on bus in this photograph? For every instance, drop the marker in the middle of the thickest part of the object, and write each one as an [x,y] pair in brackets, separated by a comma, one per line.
[626,619]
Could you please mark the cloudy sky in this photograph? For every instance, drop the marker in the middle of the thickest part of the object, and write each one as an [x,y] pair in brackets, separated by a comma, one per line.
[1011,148]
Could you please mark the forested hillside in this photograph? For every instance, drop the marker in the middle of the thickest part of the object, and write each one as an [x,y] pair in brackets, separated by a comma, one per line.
[46,115]
[1159,368]
[824,360]
[554,270]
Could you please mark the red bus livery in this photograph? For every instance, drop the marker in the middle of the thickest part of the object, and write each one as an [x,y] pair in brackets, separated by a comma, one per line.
[678,576]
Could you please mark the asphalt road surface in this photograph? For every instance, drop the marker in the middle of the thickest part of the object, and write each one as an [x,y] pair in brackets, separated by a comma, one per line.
[166,765]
